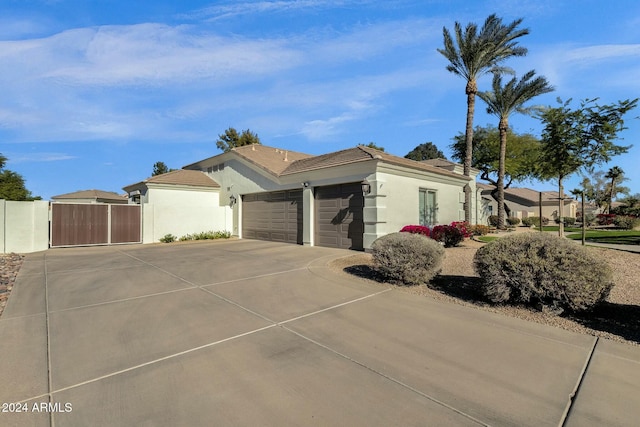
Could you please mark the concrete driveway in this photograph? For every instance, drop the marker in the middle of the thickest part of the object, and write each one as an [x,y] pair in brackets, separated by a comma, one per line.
[258,333]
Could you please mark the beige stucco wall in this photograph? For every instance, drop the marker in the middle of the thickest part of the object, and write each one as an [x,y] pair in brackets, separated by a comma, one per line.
[522,211]
[182,210]
[24,226]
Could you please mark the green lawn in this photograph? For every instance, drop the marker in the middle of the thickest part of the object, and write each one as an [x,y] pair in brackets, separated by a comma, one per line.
[611,237]
[557,227]
[487,239]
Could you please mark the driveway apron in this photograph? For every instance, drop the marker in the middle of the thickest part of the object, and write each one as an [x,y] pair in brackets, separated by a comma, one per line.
[247,332]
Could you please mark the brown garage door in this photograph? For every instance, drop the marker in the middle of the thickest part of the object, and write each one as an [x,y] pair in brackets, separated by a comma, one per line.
[275,216]
[339,216]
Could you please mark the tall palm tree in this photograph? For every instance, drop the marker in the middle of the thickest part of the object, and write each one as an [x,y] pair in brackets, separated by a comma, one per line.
[616,175]
[504,101]
[474,54]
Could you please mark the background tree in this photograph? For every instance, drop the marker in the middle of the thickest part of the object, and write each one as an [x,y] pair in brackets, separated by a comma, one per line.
[597,190]
[12,185]
[474,54]
[520,160]
[159,168]
[231,139]
[374,146]
[575,139]
[616,176]
[425,151]
[503,101]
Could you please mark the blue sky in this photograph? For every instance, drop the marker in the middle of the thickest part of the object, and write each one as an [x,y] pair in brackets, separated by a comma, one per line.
[95,92]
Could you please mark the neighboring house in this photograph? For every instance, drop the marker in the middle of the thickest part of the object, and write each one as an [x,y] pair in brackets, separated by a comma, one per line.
[344,199]
[179,202]
[91,196]
[525,202]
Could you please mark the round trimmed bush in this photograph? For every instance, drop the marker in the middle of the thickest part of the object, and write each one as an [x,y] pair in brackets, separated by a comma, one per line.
[513,220]
[542,270]
[407,258]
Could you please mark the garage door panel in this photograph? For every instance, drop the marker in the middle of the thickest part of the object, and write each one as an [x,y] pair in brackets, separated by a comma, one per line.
[339,216]
[274,216]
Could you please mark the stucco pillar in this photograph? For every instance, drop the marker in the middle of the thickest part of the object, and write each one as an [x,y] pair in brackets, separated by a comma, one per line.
[374,213]
[308,212]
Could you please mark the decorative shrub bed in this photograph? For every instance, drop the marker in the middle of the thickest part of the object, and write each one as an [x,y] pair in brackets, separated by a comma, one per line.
[543,271]
[448,235]
[407,258]
[626,222]
[205,235]
[534,220]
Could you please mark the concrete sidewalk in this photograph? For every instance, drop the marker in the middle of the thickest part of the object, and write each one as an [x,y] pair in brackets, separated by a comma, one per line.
[260,333]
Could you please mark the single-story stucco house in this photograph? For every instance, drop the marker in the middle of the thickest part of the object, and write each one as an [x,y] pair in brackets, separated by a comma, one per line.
[525,202]
[344,199]
[179,202]
[91,196]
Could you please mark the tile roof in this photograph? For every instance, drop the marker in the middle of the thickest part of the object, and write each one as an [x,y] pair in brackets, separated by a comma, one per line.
[90,194]
[273,160]
[280,162]
[358,154]
[181,177]
[439,162]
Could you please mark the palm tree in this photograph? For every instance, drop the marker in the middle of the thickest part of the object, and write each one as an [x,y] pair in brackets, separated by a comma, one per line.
[616,175]
[472,55]
[502,102]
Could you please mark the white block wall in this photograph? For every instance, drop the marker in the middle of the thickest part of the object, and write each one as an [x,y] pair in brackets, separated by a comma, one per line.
[24,226]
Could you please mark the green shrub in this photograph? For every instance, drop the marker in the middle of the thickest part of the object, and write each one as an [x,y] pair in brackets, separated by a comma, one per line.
[568,221]
[512,220]
[168,238]
[206,235]
[626,222]
[407,258]
[479,230]
[534,220]
[493,220]
[542,270]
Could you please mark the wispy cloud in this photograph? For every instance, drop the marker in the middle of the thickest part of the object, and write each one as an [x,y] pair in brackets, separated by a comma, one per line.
[38,157]
[229,10]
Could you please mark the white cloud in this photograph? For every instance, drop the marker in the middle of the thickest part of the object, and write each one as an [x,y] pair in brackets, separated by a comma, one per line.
[223,11]
[38,157]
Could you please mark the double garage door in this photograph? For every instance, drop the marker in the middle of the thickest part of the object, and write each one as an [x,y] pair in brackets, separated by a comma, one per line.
[278,216]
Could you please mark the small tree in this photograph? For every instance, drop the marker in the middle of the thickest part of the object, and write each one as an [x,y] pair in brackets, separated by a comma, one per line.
[374,146]
[520,159]
[231,139]
[581,138]
[616,175]
[159,168]
[425,151]
[12,185]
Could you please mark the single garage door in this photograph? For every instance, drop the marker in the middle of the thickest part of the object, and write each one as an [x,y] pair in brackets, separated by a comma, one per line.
[275,216]
[339,217]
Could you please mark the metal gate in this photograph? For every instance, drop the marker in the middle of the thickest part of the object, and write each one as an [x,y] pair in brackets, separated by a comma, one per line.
[94,224]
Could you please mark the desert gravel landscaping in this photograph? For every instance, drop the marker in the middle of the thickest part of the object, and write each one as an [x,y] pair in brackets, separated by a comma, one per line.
[618,319]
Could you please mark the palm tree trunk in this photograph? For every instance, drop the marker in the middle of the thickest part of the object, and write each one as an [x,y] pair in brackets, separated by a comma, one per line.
[502,127]
[471,91]
[613,183]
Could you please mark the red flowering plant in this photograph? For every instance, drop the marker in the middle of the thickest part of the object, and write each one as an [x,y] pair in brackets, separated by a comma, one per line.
[416,229]
[463,226]
[605,219]
[447,235]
